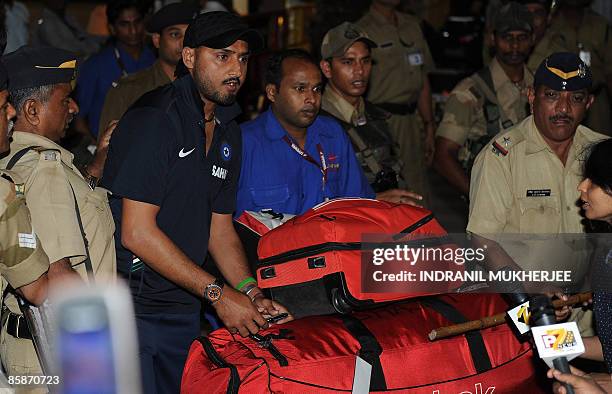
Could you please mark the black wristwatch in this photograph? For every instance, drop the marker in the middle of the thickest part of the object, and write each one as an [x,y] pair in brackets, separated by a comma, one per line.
[91,180]
[214,291]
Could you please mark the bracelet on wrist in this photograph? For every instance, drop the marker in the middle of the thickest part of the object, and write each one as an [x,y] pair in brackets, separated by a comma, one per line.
[250,290]
[258,295]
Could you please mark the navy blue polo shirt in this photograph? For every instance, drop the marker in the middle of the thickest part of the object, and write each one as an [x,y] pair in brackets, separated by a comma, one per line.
[157,155]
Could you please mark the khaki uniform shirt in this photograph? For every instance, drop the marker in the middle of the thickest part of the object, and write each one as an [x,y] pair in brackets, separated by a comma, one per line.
[465,121]
[370,123]
[519,186]
[22,259]
[49,178]
[527,190]
[338,107]
[401,61]
[127,90]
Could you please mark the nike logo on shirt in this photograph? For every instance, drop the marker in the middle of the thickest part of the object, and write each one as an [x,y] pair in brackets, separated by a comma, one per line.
[182,153]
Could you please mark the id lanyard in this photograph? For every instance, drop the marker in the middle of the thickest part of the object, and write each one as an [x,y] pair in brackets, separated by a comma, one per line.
[124,72]
[308,158]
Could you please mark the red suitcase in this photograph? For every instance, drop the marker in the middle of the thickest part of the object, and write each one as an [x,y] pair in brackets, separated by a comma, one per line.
[318,354]
[312,263]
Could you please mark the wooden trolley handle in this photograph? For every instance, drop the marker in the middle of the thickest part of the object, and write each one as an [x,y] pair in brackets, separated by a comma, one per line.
[495,320]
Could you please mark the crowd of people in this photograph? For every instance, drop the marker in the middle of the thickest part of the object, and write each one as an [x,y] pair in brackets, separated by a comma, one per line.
[172,167]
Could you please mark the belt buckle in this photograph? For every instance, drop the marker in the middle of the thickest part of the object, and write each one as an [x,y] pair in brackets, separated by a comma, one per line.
[17,318]
[17,327]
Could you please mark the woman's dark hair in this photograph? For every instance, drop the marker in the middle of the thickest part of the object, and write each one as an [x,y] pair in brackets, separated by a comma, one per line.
[598,168]
[598,165]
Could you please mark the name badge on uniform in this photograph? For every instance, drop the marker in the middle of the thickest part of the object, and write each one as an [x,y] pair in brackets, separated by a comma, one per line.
[538,193]
[27,240]
[415,58]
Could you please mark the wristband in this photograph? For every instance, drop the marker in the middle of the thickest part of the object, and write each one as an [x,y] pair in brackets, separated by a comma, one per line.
[245,282]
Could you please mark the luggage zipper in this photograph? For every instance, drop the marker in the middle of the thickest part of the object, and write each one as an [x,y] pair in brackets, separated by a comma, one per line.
[309,251]
[339,246]
[266,343]
[414,226]
[234,381]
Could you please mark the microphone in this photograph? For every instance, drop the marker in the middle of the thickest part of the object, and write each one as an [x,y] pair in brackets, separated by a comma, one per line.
[520,314]
[557,343]
[514,293]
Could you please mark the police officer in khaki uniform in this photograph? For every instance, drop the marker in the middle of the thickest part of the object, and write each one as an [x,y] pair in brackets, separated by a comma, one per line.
[347,63]
[545,43]
[525,181]
[167,27]
[491,100]
[23,263]
[584,32]
[71,215]
[400,86]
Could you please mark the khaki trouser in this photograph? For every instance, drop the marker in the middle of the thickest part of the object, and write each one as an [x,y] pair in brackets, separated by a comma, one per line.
[408,135]
[19,359]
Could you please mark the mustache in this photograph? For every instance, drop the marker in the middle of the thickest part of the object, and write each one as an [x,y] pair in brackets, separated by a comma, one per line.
[558,117]
[233,79]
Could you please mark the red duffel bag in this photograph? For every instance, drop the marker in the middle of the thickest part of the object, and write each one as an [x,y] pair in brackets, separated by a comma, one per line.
[318,354]
[312,264]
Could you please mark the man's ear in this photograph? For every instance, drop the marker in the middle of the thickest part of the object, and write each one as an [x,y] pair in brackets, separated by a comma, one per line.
[531,97]
[325,68]
[188,57]
[155,39]
[271,92]
[111,29]
[590,101]
[31,112]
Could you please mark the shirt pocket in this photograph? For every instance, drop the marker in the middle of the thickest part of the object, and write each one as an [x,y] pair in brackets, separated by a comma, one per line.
[270,197]
[97,199]
[539,215]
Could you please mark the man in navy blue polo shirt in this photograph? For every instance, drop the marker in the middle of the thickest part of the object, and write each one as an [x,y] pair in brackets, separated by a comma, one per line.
[173,167]
[293,159]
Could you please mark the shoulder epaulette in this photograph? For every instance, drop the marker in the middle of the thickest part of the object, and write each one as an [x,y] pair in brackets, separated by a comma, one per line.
[502,144]
[47,154]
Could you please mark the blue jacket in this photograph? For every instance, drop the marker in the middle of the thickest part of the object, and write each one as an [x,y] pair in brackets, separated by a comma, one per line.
[274,176]
[96,77]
